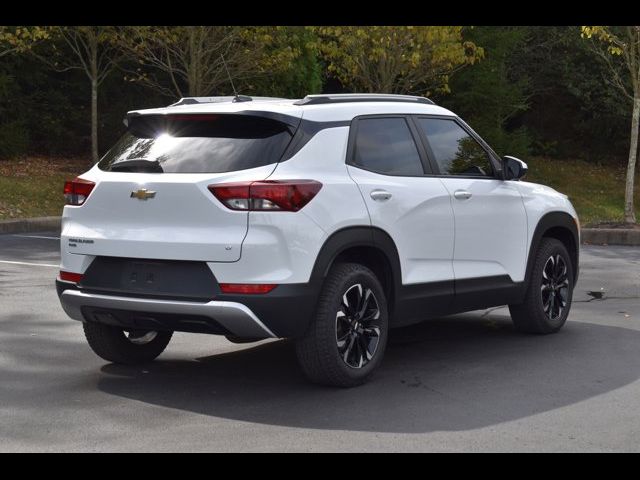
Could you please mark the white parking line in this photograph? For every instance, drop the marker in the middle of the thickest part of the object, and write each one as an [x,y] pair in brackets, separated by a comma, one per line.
[37,236]
[28,263]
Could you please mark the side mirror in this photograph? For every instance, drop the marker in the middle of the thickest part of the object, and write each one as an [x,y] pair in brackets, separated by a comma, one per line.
[513,168]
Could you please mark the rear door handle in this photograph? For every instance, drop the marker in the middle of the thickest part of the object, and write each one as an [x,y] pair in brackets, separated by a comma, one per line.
[380,195]
[462,194]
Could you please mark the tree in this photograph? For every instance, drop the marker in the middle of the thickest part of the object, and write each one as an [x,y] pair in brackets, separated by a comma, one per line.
[20,39]
[490,94]
[13,40]
[564,80]
[619,47]
[92,50]
[295,69]
[409,60]
[188,61]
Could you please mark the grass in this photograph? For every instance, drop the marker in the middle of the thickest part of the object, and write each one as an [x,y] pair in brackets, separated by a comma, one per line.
[32,187]
[596,191]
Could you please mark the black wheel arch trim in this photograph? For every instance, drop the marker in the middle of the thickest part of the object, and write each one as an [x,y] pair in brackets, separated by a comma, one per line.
[547,222]
[362,236]
[350,237]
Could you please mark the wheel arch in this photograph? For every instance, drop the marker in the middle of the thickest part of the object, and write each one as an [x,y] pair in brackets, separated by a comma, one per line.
[561,226]
[370,246]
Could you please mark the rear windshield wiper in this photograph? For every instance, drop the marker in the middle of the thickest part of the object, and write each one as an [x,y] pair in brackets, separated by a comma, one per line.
[137,165]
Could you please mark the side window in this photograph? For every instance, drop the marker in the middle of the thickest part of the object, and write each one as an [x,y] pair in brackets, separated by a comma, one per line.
[385,145]
[455,151]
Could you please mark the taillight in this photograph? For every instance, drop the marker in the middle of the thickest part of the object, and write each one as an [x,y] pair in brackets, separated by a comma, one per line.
[70,276]
[77,190]
[267,195]
[233,195]
[248,288]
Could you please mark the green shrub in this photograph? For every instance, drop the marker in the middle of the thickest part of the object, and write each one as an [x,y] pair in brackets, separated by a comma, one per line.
[14,139]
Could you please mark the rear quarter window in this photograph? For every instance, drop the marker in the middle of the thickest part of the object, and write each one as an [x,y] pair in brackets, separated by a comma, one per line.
[198,143]
[386,145]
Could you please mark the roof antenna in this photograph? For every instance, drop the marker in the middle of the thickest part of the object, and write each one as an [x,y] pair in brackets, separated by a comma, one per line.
[236,98]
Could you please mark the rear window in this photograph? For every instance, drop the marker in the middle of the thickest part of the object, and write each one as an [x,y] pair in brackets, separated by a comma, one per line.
[212,143]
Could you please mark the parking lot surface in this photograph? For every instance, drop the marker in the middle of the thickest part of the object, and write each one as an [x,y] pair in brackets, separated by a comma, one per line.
[462,383]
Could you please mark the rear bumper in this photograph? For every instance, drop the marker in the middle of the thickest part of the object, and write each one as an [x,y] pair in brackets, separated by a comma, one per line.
[284,312]
[232,316]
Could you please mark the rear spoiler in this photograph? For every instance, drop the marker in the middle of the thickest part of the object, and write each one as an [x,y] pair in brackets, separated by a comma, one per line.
[291,121]
[148,125]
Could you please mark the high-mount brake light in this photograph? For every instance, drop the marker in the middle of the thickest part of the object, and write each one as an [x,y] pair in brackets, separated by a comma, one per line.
[77,190]
[267,195]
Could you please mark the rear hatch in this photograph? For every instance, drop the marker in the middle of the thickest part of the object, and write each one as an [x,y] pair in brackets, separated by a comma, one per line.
[151,198]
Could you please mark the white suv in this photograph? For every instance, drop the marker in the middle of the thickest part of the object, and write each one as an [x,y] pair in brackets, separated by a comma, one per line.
[328,220]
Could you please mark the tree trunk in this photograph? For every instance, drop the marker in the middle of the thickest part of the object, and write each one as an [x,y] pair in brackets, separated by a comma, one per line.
[629,210]
[192,69]
[94,103]
[94,121]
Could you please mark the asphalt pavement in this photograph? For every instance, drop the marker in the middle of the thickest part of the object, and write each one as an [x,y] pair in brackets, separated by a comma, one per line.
[462,383]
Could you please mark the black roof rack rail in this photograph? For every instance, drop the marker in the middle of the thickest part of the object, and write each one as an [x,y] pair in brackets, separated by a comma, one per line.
[221,99]
[361,97]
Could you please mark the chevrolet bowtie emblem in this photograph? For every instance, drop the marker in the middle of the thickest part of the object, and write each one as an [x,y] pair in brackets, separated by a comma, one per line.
[143,194]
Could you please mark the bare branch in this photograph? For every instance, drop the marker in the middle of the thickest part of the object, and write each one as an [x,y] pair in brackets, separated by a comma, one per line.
[188,58]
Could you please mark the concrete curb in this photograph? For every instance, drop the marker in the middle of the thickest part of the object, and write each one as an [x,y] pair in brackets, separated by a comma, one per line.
[610,236]
[24,225]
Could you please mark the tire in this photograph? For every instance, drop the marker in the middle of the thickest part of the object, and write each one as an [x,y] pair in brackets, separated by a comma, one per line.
[115,345]
[533,315]
[338,350]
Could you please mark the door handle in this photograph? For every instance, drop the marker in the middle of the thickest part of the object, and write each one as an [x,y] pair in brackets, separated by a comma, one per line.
[462,194]
[380,195]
